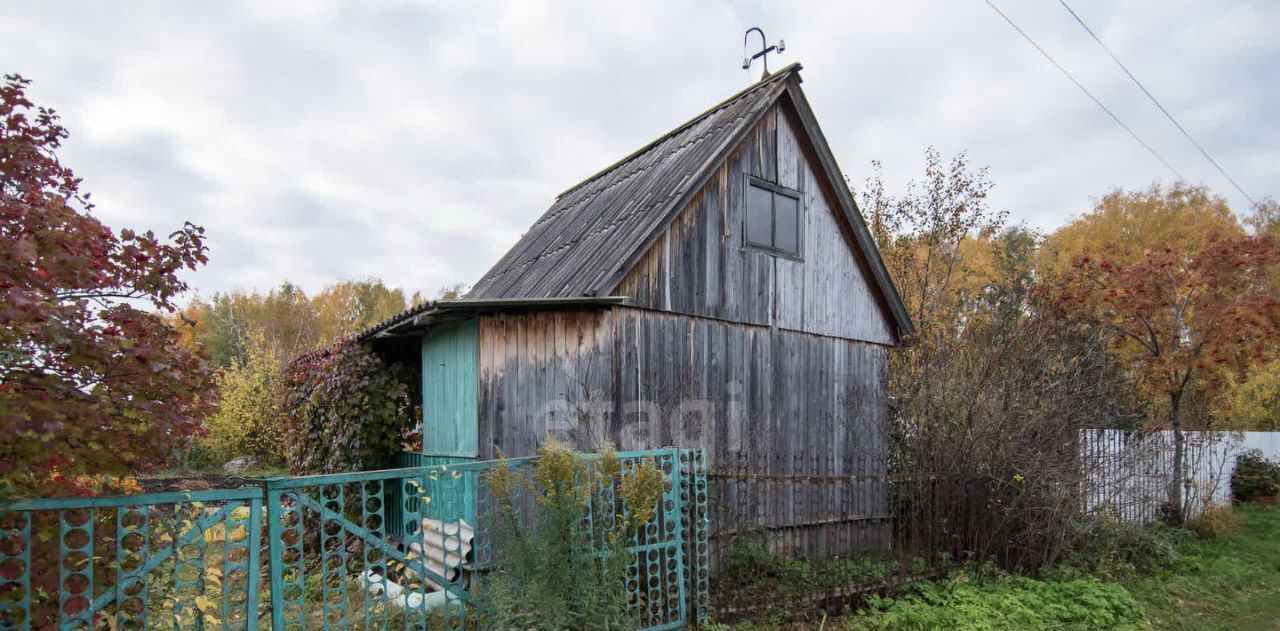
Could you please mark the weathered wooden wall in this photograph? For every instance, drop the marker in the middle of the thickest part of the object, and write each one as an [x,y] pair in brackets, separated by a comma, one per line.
[768,404]
[639,379]
[540,374]
[701,265]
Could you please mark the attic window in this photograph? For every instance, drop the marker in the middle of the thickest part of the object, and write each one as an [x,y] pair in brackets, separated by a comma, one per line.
[773,217]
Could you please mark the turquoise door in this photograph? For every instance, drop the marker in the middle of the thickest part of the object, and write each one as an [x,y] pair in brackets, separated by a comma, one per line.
[449,415]
[450,420]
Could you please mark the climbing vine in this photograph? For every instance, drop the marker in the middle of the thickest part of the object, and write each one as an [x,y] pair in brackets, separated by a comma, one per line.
[345,410]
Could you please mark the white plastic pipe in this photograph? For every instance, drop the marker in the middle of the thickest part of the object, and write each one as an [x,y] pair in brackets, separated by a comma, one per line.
[375,583]
[433,538]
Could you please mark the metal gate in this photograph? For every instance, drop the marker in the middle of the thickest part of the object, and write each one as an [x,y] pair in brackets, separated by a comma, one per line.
[186,560]
[401,548]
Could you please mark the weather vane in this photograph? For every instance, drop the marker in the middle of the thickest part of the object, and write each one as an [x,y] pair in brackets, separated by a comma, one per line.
[764,44]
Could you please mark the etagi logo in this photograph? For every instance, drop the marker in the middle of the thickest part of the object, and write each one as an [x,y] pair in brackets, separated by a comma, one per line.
[685,423]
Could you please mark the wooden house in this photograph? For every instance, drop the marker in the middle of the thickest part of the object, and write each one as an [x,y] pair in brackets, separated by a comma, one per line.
[716,288]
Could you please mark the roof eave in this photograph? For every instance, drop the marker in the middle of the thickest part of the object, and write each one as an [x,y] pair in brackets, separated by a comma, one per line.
[504,304]
[411,323]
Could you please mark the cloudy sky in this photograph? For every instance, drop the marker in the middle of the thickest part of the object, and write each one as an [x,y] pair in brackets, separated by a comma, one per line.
[414,142]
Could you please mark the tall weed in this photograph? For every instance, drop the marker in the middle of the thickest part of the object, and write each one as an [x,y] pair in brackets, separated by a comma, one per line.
[556,569]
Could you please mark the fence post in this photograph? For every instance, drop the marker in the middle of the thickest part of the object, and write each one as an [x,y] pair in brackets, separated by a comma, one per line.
[679,495]
[255,563]
[275,550]
[698,562]
[693,546]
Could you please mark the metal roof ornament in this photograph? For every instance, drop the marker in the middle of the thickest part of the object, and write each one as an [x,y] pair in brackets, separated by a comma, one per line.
[766,49]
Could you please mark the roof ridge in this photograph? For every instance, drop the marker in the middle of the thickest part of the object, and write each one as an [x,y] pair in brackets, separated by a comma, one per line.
[789,69]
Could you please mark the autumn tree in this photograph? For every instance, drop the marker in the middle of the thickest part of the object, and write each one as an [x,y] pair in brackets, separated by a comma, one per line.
[990,391]
[223,327]
[283,322]
[1265,218]
[351,306]
[91,380]
[249,420]
[1126,224]
[1251,400]
[1181,313]
[923,235]
[1250,395]
[453,291]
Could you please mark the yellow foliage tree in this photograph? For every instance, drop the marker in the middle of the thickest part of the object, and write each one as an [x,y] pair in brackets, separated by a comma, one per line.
[1252,402]
[1125,225]
[351,306]
[1128,228]
[287,320]
[248,420]
[1265,219]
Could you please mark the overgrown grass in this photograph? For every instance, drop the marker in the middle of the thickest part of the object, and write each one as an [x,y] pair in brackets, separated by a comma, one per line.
[1229,579]
[988,601]
[965,603]
[753,575]
[1230,582]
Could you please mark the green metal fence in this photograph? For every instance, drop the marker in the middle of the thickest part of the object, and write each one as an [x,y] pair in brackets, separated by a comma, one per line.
[401,548]
[442,486]
[184,560]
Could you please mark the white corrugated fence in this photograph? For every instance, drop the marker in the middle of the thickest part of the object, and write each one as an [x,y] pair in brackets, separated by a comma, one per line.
[1127,473]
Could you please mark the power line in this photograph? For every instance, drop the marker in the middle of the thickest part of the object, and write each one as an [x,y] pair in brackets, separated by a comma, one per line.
[1157,102]
[1085,90]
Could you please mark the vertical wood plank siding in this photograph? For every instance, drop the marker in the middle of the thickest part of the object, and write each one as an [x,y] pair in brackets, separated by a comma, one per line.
[702,267]
[765,401]
[776,366]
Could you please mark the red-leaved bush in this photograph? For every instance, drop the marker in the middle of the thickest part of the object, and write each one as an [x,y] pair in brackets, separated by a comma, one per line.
[345,410]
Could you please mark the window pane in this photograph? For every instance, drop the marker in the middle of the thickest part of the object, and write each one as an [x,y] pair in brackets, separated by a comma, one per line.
[759,216]
[786,235]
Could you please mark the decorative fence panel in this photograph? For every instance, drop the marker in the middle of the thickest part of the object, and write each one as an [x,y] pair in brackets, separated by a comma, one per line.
[401,548]
[333,564]
[179,560]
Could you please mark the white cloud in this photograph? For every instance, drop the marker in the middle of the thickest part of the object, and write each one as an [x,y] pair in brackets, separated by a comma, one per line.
[416,141]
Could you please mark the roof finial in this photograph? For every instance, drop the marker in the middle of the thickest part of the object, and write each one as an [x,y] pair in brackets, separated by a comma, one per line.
[764,44]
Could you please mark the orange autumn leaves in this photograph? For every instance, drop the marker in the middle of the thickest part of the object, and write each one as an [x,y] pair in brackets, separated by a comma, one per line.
[1190,294]
[1185,287]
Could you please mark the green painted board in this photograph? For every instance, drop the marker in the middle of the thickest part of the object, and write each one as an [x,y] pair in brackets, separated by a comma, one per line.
[450,419]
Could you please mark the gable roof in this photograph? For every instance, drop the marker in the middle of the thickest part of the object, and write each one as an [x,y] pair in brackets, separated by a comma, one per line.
[591,230]
[594,232]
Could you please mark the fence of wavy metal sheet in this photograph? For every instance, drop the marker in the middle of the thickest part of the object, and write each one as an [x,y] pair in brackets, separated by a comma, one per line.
[1127,473]
[401,548]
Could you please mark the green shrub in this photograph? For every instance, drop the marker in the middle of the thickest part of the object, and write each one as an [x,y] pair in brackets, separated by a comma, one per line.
[247,420]
[345,410]
[1254,476]
[752,574]
[1216,522]
[962,603]
[1115,549]
[559,570]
